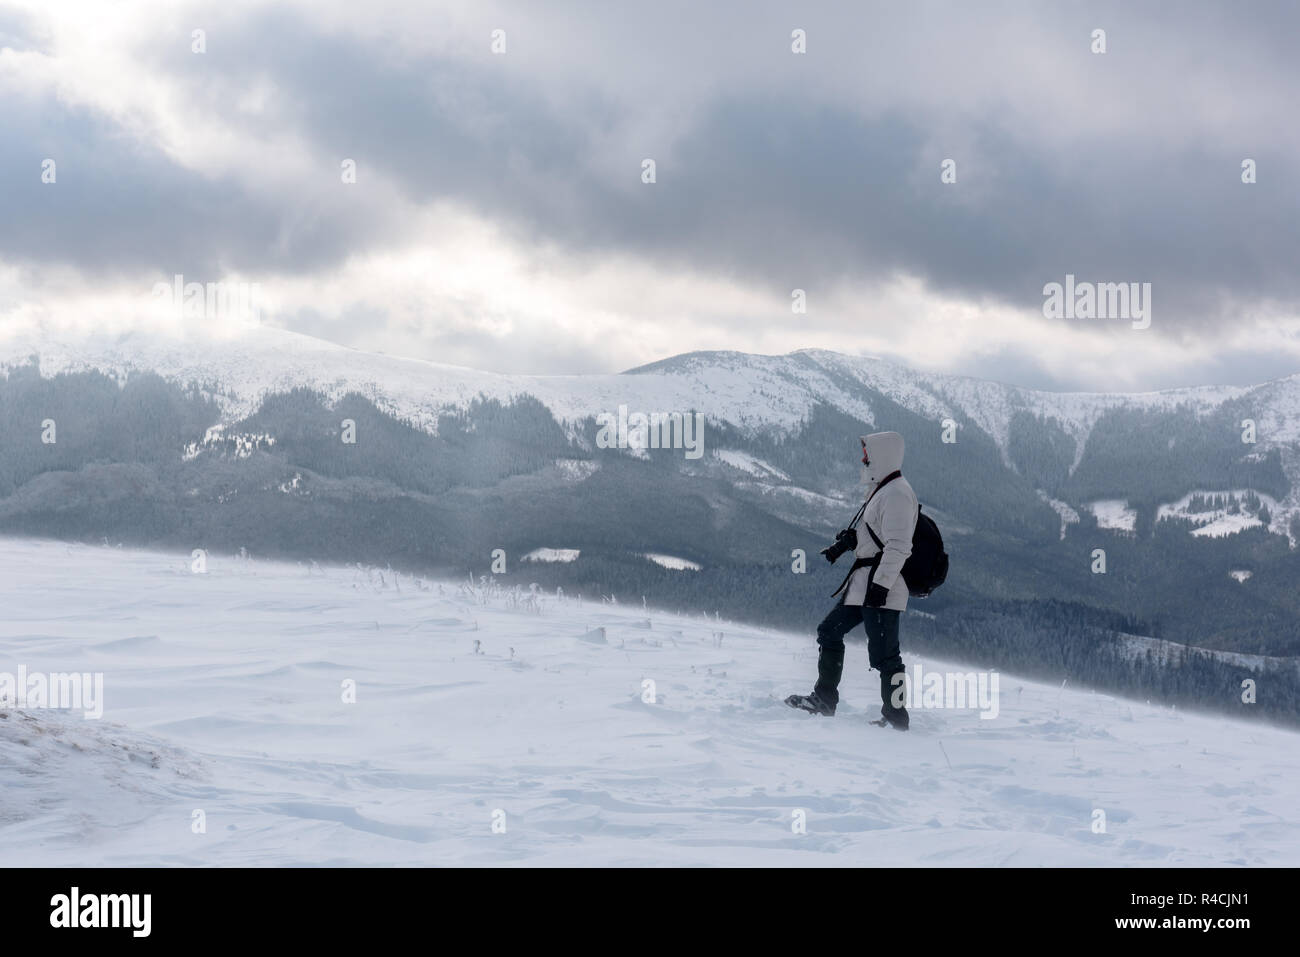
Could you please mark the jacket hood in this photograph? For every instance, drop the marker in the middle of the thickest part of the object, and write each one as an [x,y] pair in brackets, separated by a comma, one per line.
[885,450]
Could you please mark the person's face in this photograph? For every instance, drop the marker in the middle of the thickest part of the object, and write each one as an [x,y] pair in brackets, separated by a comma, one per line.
[866,460]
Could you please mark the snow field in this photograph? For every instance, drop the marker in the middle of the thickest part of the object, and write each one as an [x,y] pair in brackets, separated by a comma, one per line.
[224,694]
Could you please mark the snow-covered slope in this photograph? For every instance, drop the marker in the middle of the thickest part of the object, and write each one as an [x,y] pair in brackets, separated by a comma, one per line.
[751,392]
[223,694]
[1224,520]
[992,404]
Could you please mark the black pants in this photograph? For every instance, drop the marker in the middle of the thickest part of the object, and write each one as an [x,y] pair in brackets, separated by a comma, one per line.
[882,652]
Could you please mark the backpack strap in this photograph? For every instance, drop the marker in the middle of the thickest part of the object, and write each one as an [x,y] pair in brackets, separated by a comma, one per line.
[883,482]
[875,538]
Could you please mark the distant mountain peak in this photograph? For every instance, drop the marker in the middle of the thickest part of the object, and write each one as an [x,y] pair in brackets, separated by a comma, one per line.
[752,392]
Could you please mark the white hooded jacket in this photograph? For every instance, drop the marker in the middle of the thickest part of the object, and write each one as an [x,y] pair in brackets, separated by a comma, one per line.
[892,516]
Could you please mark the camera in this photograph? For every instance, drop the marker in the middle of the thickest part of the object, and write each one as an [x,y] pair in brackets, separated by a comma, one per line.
[845,540]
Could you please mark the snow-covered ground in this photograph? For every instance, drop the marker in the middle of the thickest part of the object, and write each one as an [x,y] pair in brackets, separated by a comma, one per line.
[1114,514]
[745,462]
[673,562]
[223,694]
[553,555]
[1163,652]
[1067,513]
[1218,522]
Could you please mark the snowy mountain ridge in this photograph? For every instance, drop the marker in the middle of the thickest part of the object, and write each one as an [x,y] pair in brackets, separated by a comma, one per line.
[753,393]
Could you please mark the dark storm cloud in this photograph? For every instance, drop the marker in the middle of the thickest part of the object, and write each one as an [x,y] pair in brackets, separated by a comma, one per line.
[121,205]
[437,129]
[777,188]
[773,183]
[115,204]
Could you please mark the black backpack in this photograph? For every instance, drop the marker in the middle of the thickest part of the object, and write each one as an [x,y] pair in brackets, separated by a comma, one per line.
[927,567]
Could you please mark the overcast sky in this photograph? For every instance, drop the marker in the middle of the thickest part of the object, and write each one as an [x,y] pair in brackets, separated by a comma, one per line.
[499,218]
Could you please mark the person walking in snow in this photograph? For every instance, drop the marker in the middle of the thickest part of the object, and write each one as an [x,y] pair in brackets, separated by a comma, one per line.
[873,593]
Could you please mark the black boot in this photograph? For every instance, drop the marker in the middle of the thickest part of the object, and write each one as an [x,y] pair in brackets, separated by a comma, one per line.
[830,666]
[830,661]
[812,703]
[898,720]
[895,717]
